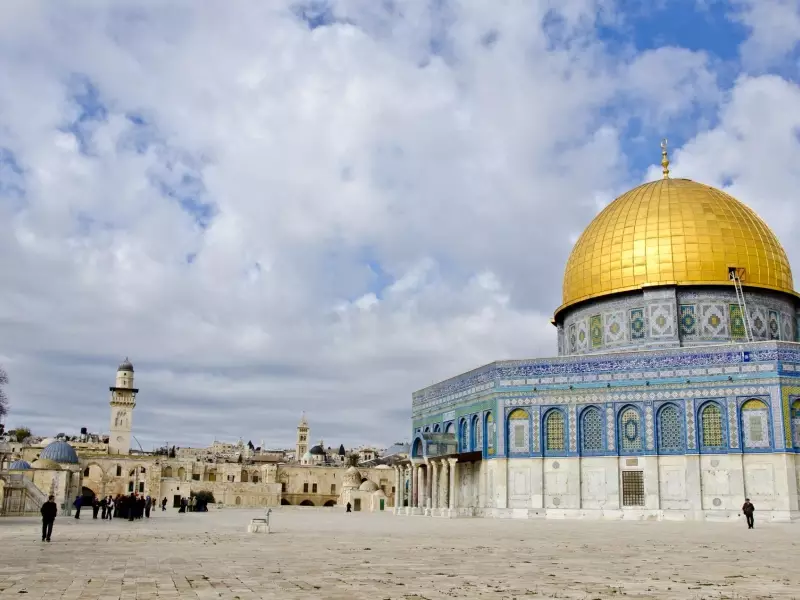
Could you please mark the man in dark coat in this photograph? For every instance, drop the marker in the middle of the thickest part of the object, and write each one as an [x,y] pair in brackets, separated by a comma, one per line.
[103,507]
[77,505]
[748,509]
[95,507]
[49,511]
[131,507]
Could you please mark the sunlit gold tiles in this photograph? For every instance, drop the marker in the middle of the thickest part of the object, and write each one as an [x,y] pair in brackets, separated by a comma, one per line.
[673,231]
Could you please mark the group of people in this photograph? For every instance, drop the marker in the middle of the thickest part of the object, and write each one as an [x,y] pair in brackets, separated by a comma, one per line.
[193,504]
[129,507]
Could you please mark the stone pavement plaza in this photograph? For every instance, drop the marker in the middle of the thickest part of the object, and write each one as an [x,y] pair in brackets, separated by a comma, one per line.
[319,553]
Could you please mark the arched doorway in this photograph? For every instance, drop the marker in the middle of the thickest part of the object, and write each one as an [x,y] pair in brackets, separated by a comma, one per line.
[88,496]
[329,503]
[306,503]
[238,501]
[285,502]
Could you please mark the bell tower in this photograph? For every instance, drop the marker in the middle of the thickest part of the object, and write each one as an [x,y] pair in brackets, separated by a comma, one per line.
[123,401]
[301,447]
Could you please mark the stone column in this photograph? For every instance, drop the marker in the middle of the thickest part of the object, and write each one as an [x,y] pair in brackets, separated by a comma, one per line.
[421,488]
[453,476]
[428,483]
[435,485]
[407,490]
[444,489]
[412,501]
[396,489]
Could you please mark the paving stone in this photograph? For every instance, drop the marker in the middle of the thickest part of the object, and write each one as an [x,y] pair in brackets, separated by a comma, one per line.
[323,554]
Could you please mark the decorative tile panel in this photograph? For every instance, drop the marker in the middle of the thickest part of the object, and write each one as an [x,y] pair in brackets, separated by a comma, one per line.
[637,323]
[648,425]
[573,339]
[535,428]
[736,319]
[596,330]
[774,325]
[713,321]
[518,431]
[615,327]
[690,433]
[583,336]
[758,323]
[610,427]
[662,320]
[733,429]
[573,436]
[786,322]
[688,320]
[794,411]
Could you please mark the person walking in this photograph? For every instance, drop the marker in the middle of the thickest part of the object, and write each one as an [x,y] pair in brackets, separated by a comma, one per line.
[164,504]
[103,507]
[49,511]
[148,503]
[95,507]
[748,509]
[110,508]
[349,507]
[77,505]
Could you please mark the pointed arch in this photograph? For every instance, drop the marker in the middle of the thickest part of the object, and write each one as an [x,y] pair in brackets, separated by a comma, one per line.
[670,438]
[476,434]
[592,430]
[437,428]
[629,430]
[181,473]
[449,428]
[463,436]
[518,432]
[167,472]
[555,432]
[755,425]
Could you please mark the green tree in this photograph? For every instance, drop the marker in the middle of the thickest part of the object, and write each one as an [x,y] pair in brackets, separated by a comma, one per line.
[3,397]
[352,460]
[204,496]
[21,433]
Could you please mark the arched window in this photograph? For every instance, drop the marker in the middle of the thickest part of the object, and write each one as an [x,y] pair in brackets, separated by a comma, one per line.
[712,435]
[436,428]
[245,477]
[491,435]
[477,434]
[417,449]
[464,435]
[755,425]
[630,430]
[428,429]
[181,473]
[238,500]
[591,430]
[670,429]
[449,428]
[255,478]
[795,412]
[86,472]
[167,471]
[518,432]
[554,432]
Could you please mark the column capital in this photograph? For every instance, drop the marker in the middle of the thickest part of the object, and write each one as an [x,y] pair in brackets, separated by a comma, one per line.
[452,461]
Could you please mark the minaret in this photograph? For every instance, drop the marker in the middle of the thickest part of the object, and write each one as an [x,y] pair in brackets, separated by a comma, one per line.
[123,401]
[302,439]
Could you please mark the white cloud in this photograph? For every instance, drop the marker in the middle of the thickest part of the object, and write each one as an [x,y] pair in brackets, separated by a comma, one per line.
[268,218]
[773,30]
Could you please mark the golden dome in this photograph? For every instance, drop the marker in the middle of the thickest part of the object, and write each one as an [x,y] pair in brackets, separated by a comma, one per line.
[673,232]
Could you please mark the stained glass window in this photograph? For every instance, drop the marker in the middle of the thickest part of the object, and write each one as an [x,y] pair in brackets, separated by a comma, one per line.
[555,430]
[796,423]
[711,422]
[670,429]
[591,431]
[630,430]
[755,424]
[490,434]
[518,430]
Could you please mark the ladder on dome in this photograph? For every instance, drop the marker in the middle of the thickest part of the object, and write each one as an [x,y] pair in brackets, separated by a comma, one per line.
[735,275]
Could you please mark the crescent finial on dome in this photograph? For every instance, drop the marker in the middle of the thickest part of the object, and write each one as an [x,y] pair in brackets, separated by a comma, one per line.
[664,159]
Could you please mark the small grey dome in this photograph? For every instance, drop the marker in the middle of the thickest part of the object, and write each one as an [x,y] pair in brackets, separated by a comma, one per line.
[60,452]
[126,365]
[368,486]
[19,465]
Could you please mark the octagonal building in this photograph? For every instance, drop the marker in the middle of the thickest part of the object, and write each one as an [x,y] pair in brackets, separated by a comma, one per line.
[675,393]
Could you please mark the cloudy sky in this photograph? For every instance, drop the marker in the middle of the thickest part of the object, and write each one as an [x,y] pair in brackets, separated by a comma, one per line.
[281,206]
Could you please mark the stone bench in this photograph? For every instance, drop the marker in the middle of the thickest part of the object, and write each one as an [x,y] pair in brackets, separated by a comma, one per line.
[258,526]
